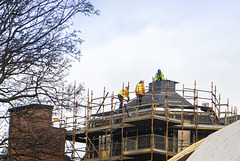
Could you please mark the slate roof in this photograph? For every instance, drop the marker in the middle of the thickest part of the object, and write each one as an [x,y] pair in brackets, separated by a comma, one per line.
[160,90]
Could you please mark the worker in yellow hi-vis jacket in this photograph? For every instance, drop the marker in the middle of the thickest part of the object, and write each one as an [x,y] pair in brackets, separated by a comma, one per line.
[159,75]
[123,94]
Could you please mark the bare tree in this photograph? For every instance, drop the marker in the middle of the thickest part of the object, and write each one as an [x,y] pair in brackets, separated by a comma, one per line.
[37,48]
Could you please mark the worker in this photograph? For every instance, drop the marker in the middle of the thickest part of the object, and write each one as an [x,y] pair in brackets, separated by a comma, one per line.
[123,94]
[159,75]
[140,91]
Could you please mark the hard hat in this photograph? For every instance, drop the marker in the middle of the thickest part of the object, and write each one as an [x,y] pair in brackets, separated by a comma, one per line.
[159,70]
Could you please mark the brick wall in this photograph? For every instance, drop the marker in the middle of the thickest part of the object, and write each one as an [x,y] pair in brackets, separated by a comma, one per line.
[31,136]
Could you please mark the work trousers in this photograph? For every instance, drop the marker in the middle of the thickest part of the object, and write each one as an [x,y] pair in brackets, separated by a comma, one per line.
[120,100]
[139,99]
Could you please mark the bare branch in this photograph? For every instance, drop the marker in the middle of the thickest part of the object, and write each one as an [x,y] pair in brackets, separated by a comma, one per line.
[35,51]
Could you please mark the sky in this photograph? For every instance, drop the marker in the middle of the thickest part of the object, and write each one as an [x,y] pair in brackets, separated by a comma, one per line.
[187,39]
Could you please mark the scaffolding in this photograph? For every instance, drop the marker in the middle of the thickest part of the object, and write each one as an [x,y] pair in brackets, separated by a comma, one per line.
[107,129]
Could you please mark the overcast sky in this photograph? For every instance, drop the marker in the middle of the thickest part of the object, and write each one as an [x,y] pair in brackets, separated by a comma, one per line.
[187,39]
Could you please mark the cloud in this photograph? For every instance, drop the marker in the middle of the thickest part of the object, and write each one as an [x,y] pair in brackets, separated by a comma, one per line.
[188,41]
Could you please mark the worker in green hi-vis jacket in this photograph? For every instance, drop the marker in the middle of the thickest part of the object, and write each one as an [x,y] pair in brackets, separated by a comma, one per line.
[159,75]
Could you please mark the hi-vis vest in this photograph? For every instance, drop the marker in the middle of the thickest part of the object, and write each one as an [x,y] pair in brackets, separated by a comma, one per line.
[158,76]
[124,93]
[140,89]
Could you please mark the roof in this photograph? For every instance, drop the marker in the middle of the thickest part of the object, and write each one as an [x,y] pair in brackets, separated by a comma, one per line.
[160,93]
[221,145]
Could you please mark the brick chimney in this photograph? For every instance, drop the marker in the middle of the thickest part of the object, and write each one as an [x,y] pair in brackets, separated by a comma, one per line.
[31,135]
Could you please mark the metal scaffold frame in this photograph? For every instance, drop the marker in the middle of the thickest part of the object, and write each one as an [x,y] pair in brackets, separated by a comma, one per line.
[101,121]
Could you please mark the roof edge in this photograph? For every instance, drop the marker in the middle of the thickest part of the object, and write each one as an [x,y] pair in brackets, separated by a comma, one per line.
[31,106]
